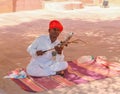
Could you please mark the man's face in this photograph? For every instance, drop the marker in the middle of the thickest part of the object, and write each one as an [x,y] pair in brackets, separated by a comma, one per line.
[54,33]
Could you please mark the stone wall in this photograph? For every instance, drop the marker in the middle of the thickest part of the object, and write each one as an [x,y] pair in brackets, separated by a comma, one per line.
[18,5]
[29,4]
[6,6]
[73,5]
[91,1]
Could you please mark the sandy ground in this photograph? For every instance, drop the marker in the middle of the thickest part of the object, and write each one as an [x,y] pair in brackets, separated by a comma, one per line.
[97,26]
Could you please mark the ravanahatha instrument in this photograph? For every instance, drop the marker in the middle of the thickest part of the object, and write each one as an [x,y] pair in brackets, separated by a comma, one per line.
[67,41]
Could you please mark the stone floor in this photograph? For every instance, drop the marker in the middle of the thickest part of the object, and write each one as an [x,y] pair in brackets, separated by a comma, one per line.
[97,26]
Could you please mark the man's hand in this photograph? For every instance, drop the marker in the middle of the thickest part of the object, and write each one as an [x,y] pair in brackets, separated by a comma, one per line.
[58,49]
[40,52]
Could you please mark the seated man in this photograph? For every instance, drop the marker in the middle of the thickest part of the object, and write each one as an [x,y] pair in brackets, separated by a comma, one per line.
[46,63]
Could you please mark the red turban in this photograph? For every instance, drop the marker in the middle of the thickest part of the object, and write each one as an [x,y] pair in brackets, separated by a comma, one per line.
[55,24]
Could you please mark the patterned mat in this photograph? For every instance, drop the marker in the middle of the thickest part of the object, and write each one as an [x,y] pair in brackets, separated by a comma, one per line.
[86,72]
[36,84]
[76,73]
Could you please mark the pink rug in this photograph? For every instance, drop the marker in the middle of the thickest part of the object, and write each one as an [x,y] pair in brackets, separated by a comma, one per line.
[76,73]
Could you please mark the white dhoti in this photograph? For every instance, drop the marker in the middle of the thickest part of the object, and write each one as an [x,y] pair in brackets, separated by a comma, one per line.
[37,70]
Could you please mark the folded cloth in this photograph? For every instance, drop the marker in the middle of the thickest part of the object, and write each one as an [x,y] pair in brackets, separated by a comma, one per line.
[17,73]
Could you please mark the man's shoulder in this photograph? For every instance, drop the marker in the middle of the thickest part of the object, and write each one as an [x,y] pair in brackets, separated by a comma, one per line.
[42,37]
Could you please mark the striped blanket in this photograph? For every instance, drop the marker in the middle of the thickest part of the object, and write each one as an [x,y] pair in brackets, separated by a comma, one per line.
[76,73]
[86,72]
[34,84]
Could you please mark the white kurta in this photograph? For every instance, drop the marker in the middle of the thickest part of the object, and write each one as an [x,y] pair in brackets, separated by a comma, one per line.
[46,64]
